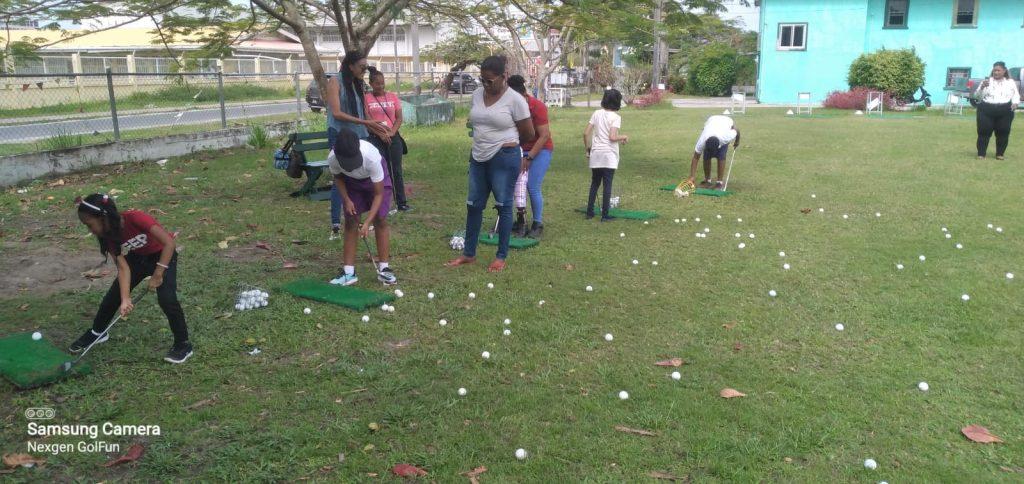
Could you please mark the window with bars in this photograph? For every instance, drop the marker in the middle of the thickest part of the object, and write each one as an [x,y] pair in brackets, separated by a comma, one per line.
[792,37]
[956,77]
[896,14]
[329,37]
[393,33]
[965,13]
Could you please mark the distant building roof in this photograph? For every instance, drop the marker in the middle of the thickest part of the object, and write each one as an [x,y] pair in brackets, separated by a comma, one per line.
[119,39]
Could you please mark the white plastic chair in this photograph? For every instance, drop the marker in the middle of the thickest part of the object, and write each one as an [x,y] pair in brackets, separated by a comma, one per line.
[803,103]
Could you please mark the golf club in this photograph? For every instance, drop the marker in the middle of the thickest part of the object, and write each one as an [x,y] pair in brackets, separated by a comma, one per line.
[369,252]
[67,365]
[728,170]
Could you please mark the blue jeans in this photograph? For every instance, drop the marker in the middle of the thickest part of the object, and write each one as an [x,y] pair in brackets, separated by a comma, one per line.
[497,175]
[538,168]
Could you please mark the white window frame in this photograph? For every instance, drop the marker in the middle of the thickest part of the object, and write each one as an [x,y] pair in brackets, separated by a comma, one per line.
[792,28]
[949,70]
[974,18]
[388,34]
[887,13]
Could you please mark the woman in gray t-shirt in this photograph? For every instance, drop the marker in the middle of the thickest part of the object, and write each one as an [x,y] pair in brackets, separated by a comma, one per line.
[501,122]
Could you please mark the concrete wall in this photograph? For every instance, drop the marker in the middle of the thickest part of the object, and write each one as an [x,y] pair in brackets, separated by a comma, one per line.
[17,169]
[844,29]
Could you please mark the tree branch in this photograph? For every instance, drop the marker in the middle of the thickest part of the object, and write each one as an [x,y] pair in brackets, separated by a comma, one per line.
[273,13]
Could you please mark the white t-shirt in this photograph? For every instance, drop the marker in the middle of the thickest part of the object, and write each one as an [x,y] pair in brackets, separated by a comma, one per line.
[495,125]
[604,153]
[372,167]
[717,126]
[1000,92]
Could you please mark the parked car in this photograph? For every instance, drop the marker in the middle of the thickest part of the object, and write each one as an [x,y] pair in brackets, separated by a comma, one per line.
[313,98]
[463,84]
[972,84]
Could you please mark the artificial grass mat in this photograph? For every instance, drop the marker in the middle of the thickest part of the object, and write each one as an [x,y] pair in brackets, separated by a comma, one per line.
[514,242]
[29,363]
[347,296]
[712,193]
[628,214]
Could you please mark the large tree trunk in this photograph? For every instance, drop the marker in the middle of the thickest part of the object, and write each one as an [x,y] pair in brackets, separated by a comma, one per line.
[446,84]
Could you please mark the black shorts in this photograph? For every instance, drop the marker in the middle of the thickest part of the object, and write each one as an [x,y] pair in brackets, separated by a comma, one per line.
[720,153]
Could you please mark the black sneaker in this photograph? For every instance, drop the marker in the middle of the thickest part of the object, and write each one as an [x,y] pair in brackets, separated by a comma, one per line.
[87,339]
[536,230]
[519,224]
[404,207]
[387,276]
[607,218]
[335,232]
[179,353]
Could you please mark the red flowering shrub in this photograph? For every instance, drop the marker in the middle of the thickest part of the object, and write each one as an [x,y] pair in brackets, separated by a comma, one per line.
[856,98]
[652,98]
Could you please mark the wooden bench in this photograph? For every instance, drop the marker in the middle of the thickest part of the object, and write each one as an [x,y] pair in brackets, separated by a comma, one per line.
[303,146]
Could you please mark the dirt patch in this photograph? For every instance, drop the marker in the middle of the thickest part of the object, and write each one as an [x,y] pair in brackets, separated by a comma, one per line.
[41,271]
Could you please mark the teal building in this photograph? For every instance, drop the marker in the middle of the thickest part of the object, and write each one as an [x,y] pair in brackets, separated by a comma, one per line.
[808,45]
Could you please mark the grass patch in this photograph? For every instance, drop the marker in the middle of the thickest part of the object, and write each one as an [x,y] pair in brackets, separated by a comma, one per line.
[62,141]
[819,401]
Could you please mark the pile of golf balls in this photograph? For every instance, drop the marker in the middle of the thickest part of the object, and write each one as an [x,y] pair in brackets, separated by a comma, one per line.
[457,243]
[251,299]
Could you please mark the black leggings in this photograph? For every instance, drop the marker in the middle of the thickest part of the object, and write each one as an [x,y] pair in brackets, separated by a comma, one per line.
[597,176]
[392,153]
[994,118]
[166,295]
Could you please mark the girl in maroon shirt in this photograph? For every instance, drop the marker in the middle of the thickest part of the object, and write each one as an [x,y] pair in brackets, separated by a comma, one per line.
[141,248]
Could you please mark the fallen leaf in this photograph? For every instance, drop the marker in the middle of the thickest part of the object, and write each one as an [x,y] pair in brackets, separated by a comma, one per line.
[23,307]
[96,273]
[172,191]
[202,403]
[290,265]
[300,242]
[473,474]
[646,433]
[729,325]
[262,245]
[1012,469]
[369,447]
[397,345]
[805,210]
[977,433]
[672,362]
[115,192]
[222,244]
[133,454]
[57,183]
[252,226]
[737,347]
[569,267]
[374,426]
[224,315]
[371,474]
[730,393]
[788,460]
[666,476]
[157,211]
[406,470]
[23,460]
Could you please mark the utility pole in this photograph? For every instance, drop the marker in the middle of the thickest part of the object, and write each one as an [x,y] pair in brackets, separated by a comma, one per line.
[394,25]
[656,65]
[416,66]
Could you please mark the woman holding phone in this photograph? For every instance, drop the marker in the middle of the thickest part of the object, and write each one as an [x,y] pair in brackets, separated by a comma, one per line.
[998,97]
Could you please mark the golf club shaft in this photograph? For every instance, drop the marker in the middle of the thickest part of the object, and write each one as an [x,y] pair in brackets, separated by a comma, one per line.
[728,171]
[117,317]
[370,253]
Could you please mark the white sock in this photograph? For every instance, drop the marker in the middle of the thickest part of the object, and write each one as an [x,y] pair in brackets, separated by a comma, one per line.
[350,270]
[382,265]
[94,333]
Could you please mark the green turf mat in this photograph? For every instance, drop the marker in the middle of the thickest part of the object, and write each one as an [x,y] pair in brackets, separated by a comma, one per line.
[350,297]
[628,214]
[28,363]
[712,193]
[668,188]
[514,242]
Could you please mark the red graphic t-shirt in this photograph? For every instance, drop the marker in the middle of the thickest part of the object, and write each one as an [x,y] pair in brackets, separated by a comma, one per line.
[382,108]
[539,115]
[135,235]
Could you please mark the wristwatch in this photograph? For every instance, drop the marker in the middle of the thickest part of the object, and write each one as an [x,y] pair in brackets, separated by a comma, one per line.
[528,157]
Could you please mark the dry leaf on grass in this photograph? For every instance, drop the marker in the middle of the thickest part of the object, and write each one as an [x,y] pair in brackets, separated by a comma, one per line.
[473,474]
[730,393]
[569,267]
[222,244]
[666,476]
[672,362]
[262,245]
[977,433]
[289,265]
[23,307]
[133,454]
[729,325]
[1012,469]
[96,273]
[407,470]
[646,433]
[23,460]
[805,210]
[202,403]
[737,347]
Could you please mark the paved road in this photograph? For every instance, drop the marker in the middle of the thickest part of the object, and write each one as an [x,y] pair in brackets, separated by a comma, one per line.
[31,132]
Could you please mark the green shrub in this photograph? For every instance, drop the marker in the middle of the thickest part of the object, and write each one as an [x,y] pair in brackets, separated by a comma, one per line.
[713,70]
[676,83]
[898,72]
[258,136]
[62,140]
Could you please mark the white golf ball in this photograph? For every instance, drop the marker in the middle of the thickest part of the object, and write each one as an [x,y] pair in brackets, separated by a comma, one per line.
[845,216]
[590,288]
[646,222]
[870,464]
[703,236]
[37,336]
[772,293]
[622,235]
[878,214]
[999,229]
[899,267]
[696,219]
[840,327]
[739,220]
[949,236]
[921,257]
[782,254]
[623,395]
[814,196]
[472,295]
[490,285]
[706,230]
[430,295]
[540,303]
[684,220]
[742,245]
[785,266]
[965,297]
[738,235]
[391,309]
[264,295]
[944,229]
[507,321]
[239,307]
[399,293]
[608,337]
[654,262]
[676,220]
[1009,275]
[959,246]
[719,217]
[486,355]
[520,454]
[635,262]
[462,392]
[443,322]
[751,236]
[384,307]
[822,210]
[366,318]
[989,225]
[676,375]
[307,311]
[923,386]
[263,303]
[507,332]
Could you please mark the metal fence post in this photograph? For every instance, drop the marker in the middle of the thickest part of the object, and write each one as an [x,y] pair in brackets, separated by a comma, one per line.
[220,95]
[113,105]
[298,100]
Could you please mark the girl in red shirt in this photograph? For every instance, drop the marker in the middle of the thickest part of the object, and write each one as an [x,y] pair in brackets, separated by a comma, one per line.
[141,248]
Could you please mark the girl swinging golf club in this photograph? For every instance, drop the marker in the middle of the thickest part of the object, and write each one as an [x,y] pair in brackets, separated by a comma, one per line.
[361,176]
[141,249]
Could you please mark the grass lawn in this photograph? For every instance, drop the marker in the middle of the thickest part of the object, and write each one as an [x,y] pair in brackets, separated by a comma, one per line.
[818,403]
